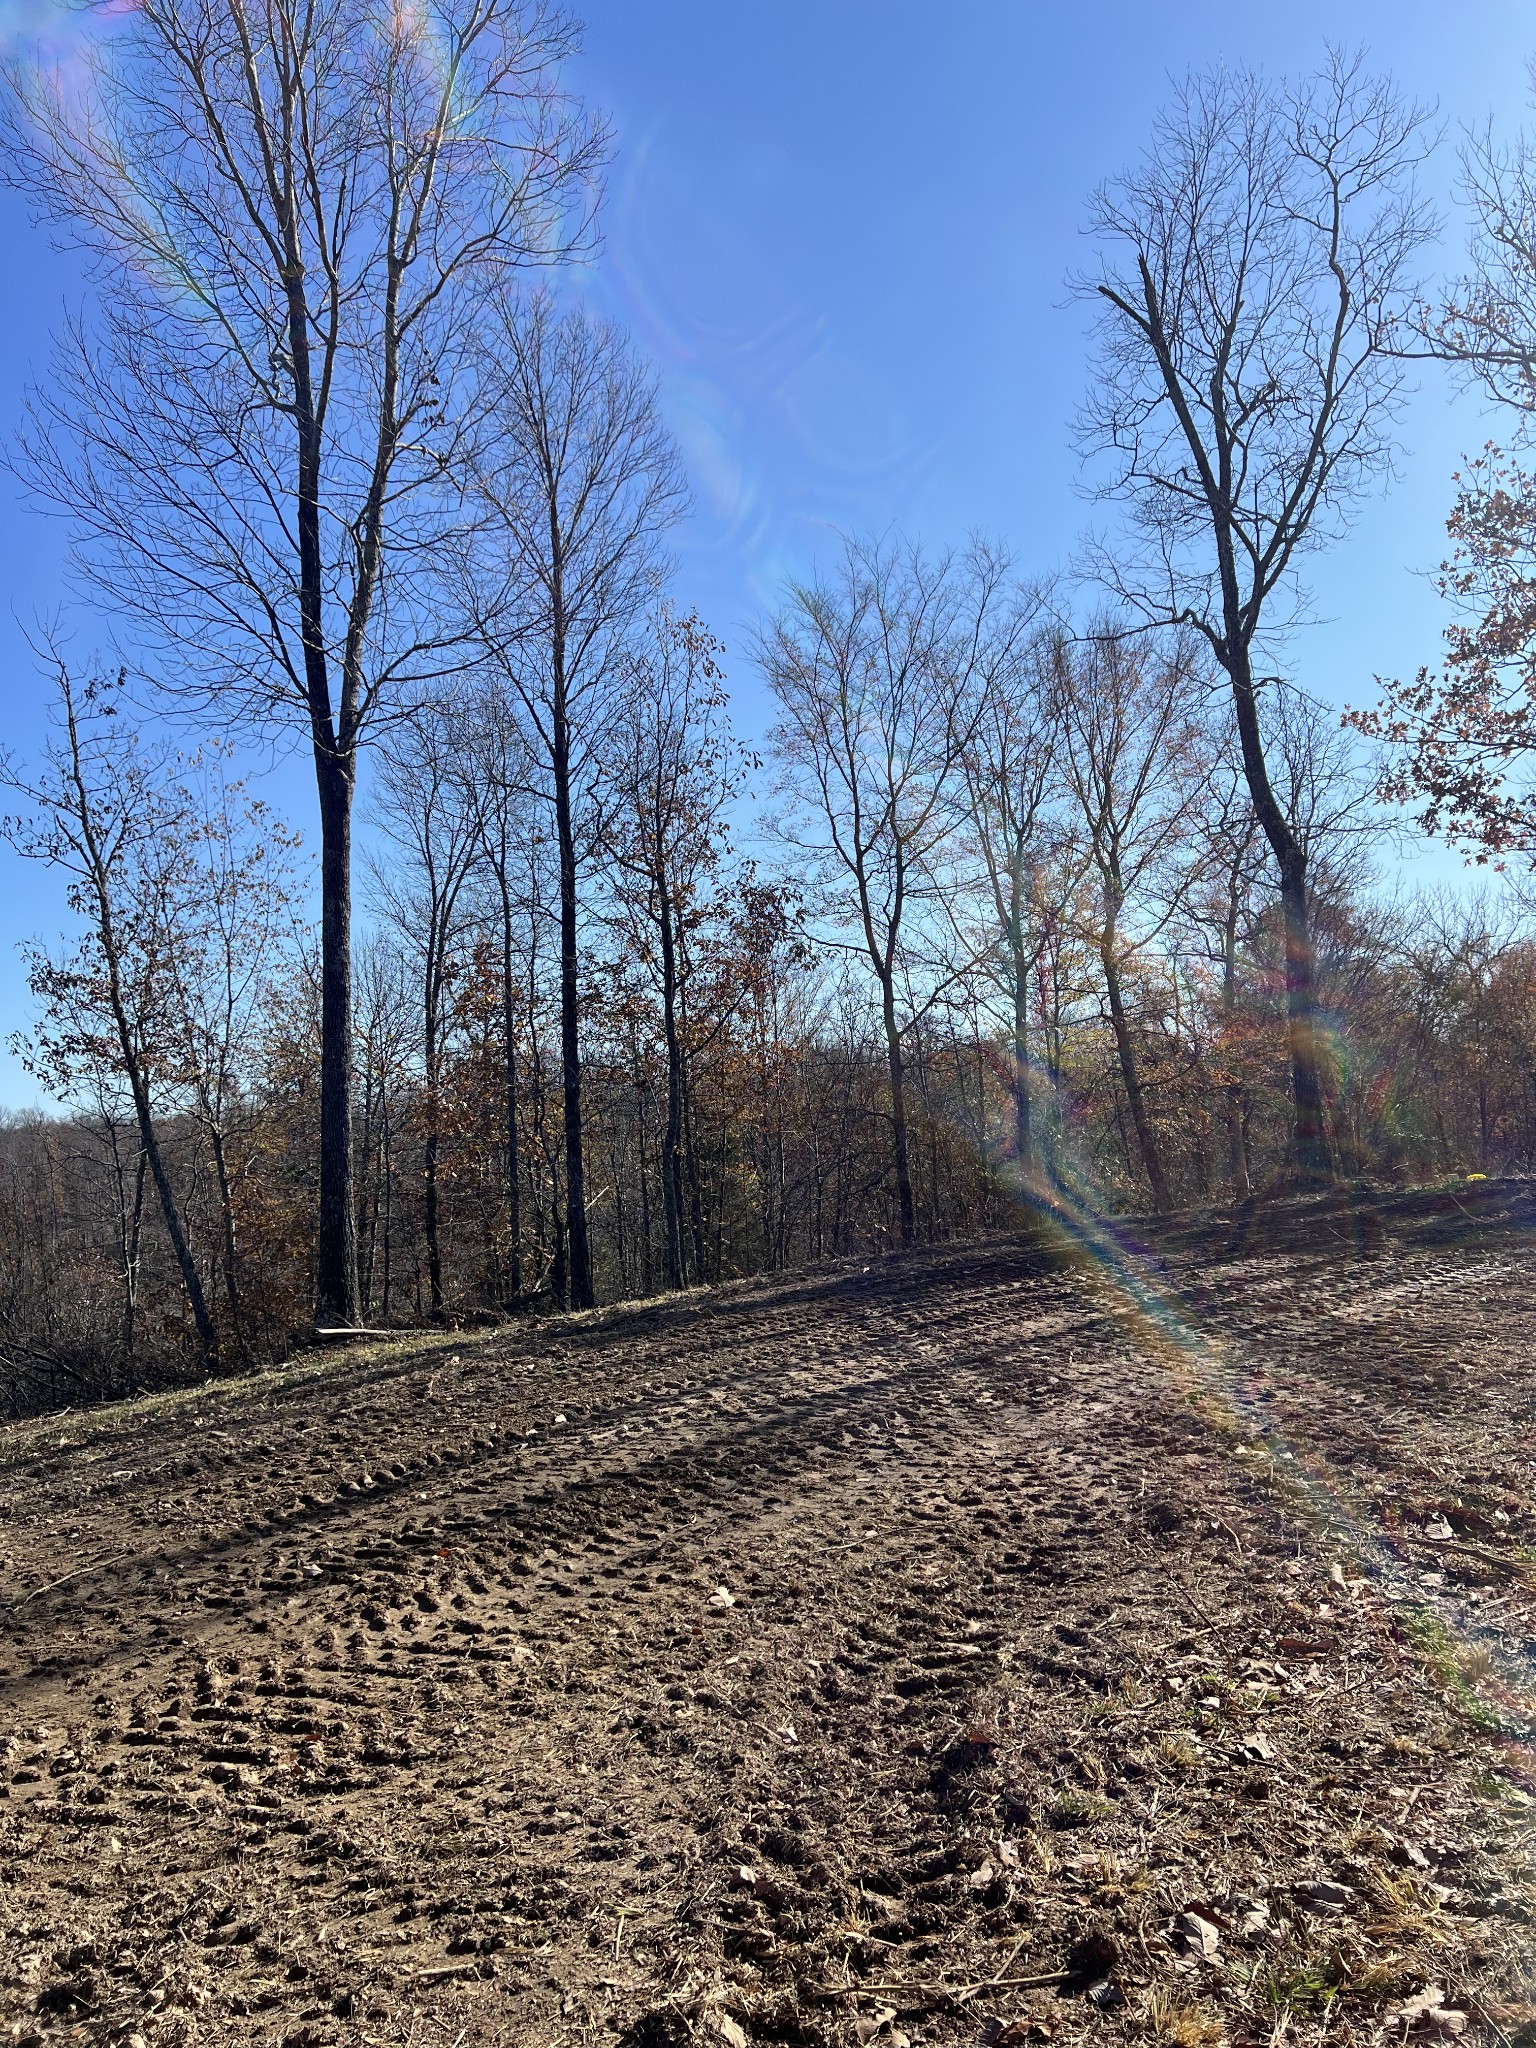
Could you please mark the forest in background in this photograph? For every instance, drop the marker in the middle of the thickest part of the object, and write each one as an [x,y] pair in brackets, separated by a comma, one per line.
[1044,889]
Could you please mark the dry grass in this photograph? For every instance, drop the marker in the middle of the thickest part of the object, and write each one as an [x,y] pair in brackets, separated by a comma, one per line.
[1169,2017]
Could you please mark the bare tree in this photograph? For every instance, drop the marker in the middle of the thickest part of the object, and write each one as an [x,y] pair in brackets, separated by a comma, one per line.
[106,815]
[431,813]
[578,481]
[1257,280]
[1487,324]
[296,213]
[871,667]
[672,771]
[1220,908]
[1133,759]
[499,761]
[1012,790]
[388,1036]
[233,924]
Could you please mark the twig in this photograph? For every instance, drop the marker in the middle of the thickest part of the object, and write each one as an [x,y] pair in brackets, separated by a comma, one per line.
[53,1585]
[938,1985]
[1236,1539]
[1007,1959]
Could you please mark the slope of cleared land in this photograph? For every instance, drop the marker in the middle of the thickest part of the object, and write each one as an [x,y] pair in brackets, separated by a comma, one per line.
[1005,1643]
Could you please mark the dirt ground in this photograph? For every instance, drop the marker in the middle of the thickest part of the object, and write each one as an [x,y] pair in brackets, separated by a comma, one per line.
[1032,1641]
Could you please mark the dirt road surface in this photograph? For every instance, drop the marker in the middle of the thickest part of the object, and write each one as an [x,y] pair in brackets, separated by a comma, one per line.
[1034,1641]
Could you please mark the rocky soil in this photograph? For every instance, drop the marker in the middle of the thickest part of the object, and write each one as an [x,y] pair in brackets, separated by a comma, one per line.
[1063,1639]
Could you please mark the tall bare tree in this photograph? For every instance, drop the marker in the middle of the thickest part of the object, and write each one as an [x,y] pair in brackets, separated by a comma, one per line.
[1133,761]
[296,213]
[1012,790]
[499,761]
[672,771]
[578,481]
[872,666]
[431,815]
[1257,281]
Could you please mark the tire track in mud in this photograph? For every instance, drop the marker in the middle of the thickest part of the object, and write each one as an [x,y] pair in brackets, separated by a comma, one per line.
[462,1690]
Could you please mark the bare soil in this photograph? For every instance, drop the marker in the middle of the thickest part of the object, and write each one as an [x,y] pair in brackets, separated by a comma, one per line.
[1070,1639]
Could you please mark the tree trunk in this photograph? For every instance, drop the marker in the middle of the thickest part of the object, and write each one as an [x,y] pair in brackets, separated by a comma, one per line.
[578,1259]
[647,1249]
[387,1171]
[227,1218]
[1311,1142]
[692,1179]
[430,1208]
[1023,1136]
[906,1215]
[130,1226]
[336,1303]
[431,1030]
[1233,1092]
[672,1137]
[369,1243]
[191,1280]
[559,1272]
[509,1050]
[1312,1158]
[1130,1070]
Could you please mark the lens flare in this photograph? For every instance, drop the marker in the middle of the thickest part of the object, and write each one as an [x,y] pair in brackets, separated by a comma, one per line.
[1484,1662]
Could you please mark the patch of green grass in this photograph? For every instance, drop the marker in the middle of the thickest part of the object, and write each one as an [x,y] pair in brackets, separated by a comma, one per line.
[1179,1753]
[1078,1809]
[1305,1986]
[1455,1670]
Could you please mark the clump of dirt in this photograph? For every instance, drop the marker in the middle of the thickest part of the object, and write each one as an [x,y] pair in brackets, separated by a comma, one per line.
[1012,1643]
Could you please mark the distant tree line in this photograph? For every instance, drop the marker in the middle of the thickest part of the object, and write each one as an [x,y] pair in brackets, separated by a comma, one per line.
[1024,947]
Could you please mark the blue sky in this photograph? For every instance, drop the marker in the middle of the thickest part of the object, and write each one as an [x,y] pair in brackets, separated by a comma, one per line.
[841,231]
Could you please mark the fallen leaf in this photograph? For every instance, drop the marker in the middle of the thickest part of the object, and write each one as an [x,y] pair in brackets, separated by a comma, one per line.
[1324,1897]
[1425,2012]
[1421,2002]
[1195,1936]
[1438,1531]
